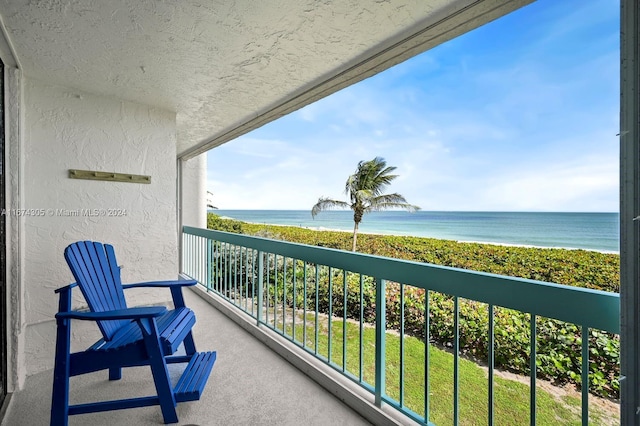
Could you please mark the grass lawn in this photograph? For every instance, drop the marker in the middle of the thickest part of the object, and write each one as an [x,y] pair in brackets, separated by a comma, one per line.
[511,398]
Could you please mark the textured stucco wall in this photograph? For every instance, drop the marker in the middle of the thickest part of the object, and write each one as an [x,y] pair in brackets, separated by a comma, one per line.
[16,317]
[68,129]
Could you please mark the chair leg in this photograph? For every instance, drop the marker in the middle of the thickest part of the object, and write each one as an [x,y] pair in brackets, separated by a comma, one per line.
[189,344]
[60,391]
[115,373]
[160,372]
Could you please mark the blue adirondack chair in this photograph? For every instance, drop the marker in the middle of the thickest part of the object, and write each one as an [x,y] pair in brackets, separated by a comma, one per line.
[130,337]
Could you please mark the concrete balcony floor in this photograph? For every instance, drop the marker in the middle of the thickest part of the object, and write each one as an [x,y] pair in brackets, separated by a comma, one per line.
[249,385]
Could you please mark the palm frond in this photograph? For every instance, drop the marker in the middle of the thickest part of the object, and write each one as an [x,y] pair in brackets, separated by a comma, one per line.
[327,204]
[390,201]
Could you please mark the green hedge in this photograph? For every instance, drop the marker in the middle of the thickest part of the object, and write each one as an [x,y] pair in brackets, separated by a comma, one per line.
[558,344]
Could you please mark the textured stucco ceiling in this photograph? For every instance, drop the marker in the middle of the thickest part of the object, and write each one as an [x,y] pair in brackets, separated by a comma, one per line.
[221,65]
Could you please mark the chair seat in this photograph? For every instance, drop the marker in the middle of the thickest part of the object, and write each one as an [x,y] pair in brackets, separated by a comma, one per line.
[172,326]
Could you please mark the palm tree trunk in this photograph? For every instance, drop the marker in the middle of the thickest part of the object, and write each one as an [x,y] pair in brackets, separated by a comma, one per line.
[355,235]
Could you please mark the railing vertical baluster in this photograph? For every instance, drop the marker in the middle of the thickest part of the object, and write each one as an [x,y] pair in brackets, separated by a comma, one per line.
[185,249]
[401,345]
[330,311]
[246,279]
[181,253]
[284,293]
[189,257]
[254,256]
[426,355]
[344,321]
[585,375]
[361,353]
[205,260]
[196,259]
[216,270]
[200,259]
[231,276]
[226,271]
[185,254]
[222,259]
[227,281]
[193,255]
[214,263]
[232,272]
[208,264]
[192,259]
[221,269]
[275,291]
[533,371]
[240,274]
[236,274]
[456,359]
[189,260]
[304,305]
[316,317]
[266,311]
[380,344]
[491,362]
[260,286]
[295,303]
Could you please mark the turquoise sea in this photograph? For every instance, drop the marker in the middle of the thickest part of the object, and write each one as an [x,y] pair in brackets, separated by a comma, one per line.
[591,231]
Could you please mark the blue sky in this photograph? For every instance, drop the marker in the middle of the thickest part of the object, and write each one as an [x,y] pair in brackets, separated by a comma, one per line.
[519,115]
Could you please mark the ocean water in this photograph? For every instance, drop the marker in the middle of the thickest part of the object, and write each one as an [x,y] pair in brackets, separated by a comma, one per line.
[591,231]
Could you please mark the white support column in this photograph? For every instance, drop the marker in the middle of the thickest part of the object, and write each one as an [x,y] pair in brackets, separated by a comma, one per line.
[630,211]
[191,195]
[193,191]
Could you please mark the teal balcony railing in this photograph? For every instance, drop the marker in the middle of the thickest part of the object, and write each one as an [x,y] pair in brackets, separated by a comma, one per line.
[321,299]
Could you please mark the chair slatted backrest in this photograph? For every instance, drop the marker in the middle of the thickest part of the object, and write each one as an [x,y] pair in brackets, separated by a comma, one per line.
[97,273]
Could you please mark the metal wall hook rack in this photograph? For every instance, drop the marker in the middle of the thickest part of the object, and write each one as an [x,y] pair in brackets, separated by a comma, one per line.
[108,176]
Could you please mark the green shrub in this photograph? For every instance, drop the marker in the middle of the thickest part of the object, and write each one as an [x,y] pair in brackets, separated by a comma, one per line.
[220,224]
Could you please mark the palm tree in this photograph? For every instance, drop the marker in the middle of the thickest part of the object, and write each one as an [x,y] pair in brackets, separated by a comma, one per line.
[364,189]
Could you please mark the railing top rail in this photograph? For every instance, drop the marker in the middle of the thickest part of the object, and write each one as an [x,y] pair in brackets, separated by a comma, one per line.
[585,307]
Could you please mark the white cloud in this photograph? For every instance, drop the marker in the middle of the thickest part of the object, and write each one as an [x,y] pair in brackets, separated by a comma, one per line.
[588,185]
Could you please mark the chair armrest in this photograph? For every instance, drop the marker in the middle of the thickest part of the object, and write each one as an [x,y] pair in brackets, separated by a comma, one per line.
[175,283]
[118,314]
[65,288]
